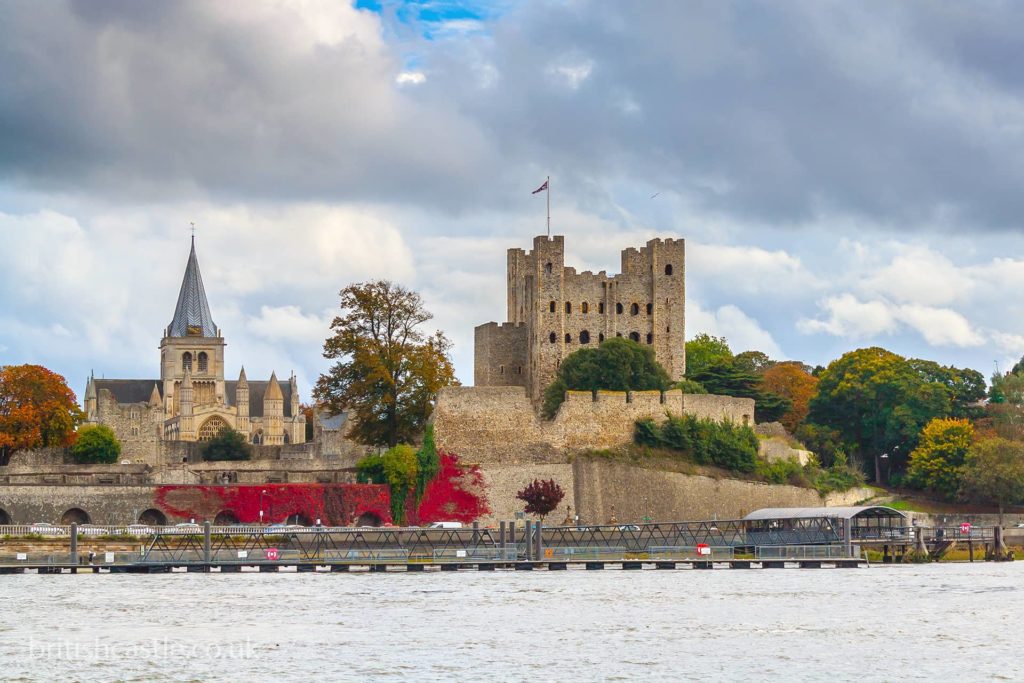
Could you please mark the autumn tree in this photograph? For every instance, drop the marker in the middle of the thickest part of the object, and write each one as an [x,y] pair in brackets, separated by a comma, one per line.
[618,364]
[703,350]
[723,376]
[937,464]
[793,382]
[37,410]
[994,473]
[541,497]
[388,370]
[96,444]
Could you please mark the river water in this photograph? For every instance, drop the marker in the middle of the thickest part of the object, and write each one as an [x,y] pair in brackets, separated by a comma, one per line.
[935,622]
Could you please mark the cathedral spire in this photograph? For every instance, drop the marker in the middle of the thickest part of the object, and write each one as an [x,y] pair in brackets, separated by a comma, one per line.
[192,314]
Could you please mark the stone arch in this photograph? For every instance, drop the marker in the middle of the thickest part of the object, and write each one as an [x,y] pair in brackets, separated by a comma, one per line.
[600,337]
[5,517]
[75,516]
[584,307]
[287,439]
[668,269]
[600,307]
[299,518]
[186,361]
[369,519]
[618,309]
[211,427]
[584,337]
[634,336]
[552,337]
[547,268]
[153,517]
[225,518]
[257,437]
[634,308]
[204,361]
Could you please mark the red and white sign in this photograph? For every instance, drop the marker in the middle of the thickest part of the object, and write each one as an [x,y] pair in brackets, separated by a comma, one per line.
[703,549]
[272,554]
[965,528]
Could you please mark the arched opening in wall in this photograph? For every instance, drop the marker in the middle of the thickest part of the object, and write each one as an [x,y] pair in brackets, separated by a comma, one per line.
[584,307]
[551,307]
[668,269]
[634,336]
[257,437]
[4,517]
[75,516]
[552,337]
[287,439]
[547,268]
[211,427]
[584,337]
[568,307]
[634,309]
[225,518]
[204,361]
[186,361]
[600,337]
[568,338]
[153,517]
[618,334]
[299,518]
[600,307]
[650,338]
[618,309]
[746,420]
[650,309]
[368,519]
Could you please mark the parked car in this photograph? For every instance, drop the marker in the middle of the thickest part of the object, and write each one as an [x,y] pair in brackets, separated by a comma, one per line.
[46,529]
[445,525]
[628,527]
[90,530]
[140,530]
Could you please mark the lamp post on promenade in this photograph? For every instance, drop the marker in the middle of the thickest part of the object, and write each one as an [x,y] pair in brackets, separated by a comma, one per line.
[261,506]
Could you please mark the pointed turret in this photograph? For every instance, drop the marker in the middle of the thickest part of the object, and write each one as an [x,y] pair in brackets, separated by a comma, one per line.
[90,399]
[273,413]
[154,396]
[242,403]
[192,314]
[274,389]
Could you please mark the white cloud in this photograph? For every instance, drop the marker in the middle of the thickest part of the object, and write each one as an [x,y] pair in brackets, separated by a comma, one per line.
[742,332]
[848,317]
[411,78]
[289,323]
[920,276]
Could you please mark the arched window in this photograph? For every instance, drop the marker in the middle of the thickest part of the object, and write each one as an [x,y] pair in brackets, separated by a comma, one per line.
[209,429]
[547,269]
[584,307]
[618,309]
[668,269]
[584,337]
[600,307]
[650,338]
[257,437]
[600,337]
[634,309]
[204,362]
[650,309]
[634,336]
[568,307]
[568,338]
[501,369]
[552,337]
[551,307]
[186,362]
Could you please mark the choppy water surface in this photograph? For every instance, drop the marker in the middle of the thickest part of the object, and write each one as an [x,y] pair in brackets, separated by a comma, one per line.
[933,622]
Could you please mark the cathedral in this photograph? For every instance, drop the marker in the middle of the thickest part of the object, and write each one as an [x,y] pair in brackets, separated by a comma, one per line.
[191,401]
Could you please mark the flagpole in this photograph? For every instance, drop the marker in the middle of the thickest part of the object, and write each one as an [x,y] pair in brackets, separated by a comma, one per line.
[548,183]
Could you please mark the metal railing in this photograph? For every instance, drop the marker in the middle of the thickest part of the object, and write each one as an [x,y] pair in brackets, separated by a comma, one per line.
[478,554]
[800,552]
[686,552]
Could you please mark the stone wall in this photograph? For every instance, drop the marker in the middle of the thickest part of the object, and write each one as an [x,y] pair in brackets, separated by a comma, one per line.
[104,504]
[499,424]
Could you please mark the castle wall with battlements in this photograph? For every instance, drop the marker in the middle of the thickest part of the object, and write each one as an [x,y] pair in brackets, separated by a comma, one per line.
[552,311]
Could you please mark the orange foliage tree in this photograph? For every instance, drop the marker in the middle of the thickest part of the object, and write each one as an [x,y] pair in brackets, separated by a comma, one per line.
[37,409]
[791,381]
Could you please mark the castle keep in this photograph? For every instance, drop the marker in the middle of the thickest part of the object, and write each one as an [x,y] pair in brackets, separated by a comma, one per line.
[553,311]
[191,401]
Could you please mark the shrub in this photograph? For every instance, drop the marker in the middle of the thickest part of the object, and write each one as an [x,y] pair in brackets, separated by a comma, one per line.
[96,444]
[227,444]
[707,442]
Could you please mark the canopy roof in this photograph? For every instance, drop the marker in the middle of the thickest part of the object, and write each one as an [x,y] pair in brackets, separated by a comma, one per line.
[850,512]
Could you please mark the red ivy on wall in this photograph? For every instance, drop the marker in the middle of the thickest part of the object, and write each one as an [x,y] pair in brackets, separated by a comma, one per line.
[456,494]
[332,504]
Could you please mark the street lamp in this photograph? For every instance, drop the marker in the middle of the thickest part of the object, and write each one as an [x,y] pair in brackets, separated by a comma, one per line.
[261,505]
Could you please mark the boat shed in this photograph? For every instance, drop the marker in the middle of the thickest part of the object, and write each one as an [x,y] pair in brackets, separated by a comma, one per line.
[771,526]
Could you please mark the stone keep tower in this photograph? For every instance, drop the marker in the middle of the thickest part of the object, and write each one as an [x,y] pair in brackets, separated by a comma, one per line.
[553,311]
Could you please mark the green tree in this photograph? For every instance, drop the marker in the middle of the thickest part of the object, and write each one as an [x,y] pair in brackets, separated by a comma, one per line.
[724,377]
[618,364]
[227,444]
[1007,388]
[688,386]
[937,464]
[966,387]
[994,473]
[753,361]
[96,444]
[428,464]
[878,404]
[388,371]
[703,350]
[397,468]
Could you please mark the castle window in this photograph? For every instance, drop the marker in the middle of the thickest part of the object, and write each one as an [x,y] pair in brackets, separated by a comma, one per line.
[203,361]
[568,338]
[650,338]
[634,336]
[618,334]
[547,269]
[650,309]
[186,362]
[668,269]
[584,307]
[551,307]
[634,309]
[211,427]
[519,370]
[501,369]
[135,431]
[600,337]
[552,337]
[600,307]
[568,307]
[584,337]
[618,309]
